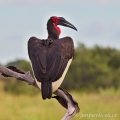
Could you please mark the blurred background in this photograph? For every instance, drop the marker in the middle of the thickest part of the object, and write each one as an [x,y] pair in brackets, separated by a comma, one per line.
[94,75]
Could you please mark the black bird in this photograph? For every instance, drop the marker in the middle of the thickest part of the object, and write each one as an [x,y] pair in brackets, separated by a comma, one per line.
[51,58]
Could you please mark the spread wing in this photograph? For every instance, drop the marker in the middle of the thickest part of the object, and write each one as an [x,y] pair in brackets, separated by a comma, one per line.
[50,60]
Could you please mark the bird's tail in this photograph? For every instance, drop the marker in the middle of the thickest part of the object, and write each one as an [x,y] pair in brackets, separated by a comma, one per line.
[46,88]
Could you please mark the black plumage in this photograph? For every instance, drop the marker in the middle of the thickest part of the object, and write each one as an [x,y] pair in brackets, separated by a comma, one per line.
[50,57]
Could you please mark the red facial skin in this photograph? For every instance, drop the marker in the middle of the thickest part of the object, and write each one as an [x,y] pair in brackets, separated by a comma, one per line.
[56,19]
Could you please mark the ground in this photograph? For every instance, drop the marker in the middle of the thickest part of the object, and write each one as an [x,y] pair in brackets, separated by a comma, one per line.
[101,106]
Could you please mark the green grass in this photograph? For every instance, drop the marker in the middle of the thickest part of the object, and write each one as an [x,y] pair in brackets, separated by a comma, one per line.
[22,107]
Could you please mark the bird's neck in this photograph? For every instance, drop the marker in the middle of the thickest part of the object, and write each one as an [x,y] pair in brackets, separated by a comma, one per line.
[53,31]
[53,37]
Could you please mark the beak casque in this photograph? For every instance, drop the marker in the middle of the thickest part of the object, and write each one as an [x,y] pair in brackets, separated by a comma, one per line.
[65,23]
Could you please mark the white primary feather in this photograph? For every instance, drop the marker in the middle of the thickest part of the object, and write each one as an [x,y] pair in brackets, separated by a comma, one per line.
[56,84]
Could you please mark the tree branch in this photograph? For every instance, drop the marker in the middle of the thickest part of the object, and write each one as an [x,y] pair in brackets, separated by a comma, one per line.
[63,97]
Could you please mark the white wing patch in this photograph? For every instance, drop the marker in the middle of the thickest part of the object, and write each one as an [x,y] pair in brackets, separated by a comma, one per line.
[56,84]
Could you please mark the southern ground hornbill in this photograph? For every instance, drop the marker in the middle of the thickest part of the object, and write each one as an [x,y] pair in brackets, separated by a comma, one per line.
[51,58]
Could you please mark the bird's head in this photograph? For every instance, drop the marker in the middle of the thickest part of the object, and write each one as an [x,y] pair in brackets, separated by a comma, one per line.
[53,23]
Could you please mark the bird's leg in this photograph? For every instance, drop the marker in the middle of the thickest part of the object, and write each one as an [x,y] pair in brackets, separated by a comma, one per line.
[67,101]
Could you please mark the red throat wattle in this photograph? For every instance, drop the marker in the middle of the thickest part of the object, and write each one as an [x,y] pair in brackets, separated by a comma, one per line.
[57,28]
[56,19]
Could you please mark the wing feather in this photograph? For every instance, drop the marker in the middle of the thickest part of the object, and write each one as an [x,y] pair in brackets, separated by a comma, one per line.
[49,62]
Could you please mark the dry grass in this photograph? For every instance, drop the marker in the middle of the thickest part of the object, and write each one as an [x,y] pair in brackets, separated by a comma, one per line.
[34,108]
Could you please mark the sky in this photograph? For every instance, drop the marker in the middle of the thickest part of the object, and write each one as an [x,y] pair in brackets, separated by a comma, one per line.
[97,21]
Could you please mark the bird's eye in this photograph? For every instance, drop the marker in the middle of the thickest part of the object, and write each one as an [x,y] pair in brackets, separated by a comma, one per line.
[55,19]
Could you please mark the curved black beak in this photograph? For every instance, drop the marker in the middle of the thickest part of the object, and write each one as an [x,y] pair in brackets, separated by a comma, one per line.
[65,23]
